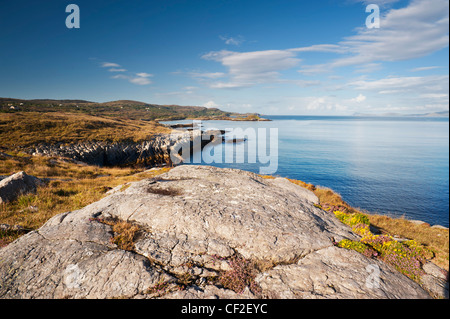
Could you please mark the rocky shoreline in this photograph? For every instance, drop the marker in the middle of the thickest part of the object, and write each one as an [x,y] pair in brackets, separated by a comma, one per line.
[197,232]
[147,153]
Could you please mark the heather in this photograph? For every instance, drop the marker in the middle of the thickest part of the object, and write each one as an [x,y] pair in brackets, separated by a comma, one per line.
[407,256]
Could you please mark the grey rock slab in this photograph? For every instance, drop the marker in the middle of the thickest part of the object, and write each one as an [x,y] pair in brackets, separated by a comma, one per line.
[17,184]
[208,292]
[338,273]
[35,267]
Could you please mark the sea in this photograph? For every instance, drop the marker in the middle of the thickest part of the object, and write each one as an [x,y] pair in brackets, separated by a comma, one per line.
[396,166]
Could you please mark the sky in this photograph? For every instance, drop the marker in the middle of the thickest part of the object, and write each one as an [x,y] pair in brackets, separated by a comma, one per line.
[286,57]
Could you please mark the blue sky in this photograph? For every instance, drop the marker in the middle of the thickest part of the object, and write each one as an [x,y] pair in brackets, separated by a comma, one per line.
[271,57]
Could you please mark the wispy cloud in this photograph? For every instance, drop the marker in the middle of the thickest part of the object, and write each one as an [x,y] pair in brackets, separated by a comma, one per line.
[425,68]
[414,31]
[246,69]
[419,92]
[434,83]
[144,75]
[407,33]
[140,78]
[117,70]
[207,75]
[210,104]
[110,65]
[360,98]
[381,3]
[232,40]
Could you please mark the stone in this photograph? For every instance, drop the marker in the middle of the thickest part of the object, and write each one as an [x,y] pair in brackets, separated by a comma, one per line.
[193,221]
[435,280]
[334,273]
[17,184]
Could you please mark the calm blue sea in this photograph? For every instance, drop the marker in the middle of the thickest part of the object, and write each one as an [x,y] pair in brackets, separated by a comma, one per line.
[394,166]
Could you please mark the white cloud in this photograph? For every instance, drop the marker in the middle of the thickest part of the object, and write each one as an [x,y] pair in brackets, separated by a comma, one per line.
[110,65]
[417,93]
[407,33]
[140,78]
[249,68]
[144,75]
[380,3]
[232,40]
[314,105]
[360,98]
[425,68]
[210,104]
[388,85]
[435,95]
[368,67]
[210,75]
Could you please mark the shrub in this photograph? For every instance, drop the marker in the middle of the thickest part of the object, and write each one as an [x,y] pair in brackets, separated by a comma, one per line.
[357,246]
[352,219]
[404,259]
[242,274]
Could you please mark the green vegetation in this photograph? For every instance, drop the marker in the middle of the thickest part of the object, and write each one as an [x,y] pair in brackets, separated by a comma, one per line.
[124,109]
[407,256]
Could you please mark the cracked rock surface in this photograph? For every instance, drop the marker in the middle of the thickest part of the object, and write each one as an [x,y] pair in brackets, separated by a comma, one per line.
[192,220]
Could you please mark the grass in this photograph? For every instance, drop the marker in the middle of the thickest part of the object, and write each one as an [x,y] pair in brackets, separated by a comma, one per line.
[28,128]
[125,233]
[71,187]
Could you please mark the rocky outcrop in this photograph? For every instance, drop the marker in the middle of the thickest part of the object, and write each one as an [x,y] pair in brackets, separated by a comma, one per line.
[17,184]
[435,280]
[150,153]
[200,232]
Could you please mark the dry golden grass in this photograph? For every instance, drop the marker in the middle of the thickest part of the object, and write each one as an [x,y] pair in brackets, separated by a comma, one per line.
[124,233]
[24,129]
[71,187]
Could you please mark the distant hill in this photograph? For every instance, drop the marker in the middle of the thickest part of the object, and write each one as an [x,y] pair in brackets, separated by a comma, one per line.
[118,109]
[432,114]
[29,122]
